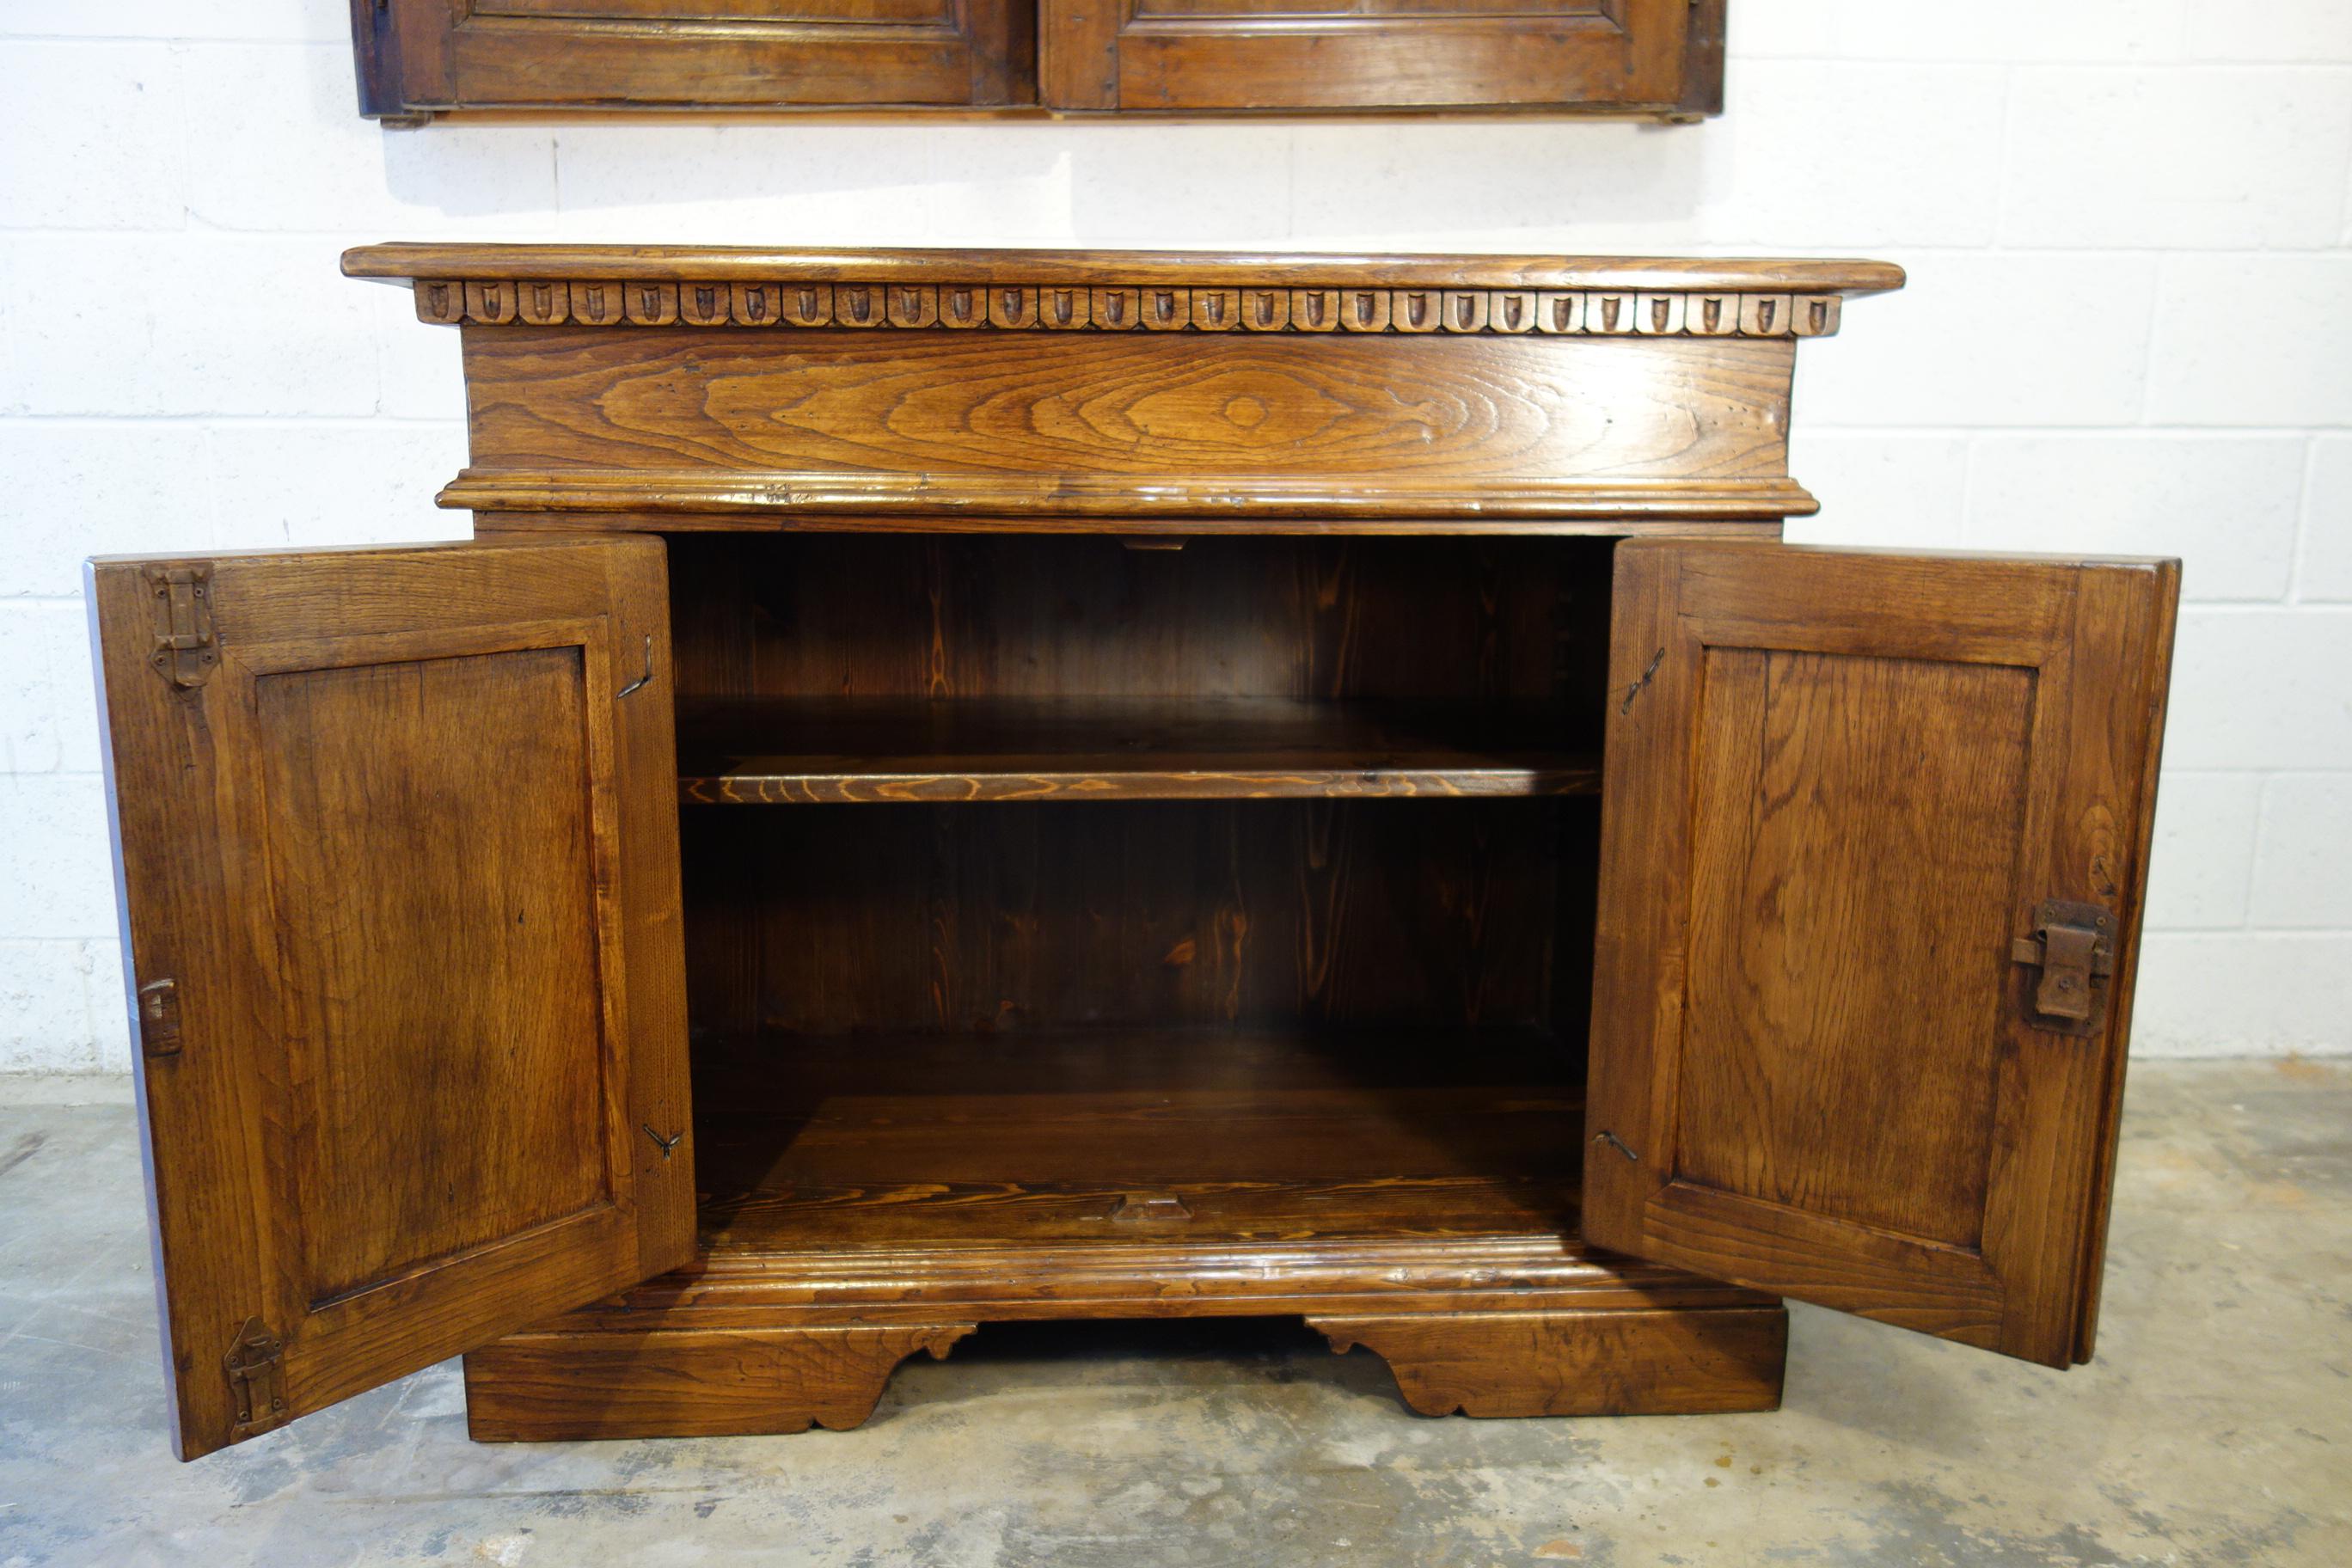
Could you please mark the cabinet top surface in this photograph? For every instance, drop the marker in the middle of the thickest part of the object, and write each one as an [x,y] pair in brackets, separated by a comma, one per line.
[1224,268]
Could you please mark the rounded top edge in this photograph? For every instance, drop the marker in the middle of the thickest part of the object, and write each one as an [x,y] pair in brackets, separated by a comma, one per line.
[404,262]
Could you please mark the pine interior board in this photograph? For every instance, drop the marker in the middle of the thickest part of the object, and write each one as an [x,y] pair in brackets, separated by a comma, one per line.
[1155,1137]
[1048,917]
[826,749]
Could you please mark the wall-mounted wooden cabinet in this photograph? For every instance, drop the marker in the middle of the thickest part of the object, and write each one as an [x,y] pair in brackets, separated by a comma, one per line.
[418,58]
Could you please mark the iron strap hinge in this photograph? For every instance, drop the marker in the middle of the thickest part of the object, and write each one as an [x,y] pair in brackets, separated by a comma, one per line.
[186,654]
[255,1363]
[2073,945]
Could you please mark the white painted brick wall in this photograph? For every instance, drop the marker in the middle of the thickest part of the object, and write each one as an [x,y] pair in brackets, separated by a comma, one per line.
[2129,231]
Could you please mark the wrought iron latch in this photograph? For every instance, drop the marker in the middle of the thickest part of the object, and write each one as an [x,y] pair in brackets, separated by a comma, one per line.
[256,1363]
[184,652]
[159,1018]
[2074,947]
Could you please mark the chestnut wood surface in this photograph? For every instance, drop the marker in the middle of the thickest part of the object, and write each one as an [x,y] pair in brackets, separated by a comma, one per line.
[804,420]
[1137,1136]
[1239,55]
[400,889]
[1413,1190]
[409,261]
[717,1382]
[562,1385]
[681,389]
[418,58]
[1224,914]
[1839,787]
[1122,1050]
[814,750]
[1053,915]
[1676,1362]
[1489,624]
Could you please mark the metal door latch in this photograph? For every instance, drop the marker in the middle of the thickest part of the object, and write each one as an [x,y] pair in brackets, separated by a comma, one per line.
[255,1363]
[184,652]
[159,1018]
[2074,947]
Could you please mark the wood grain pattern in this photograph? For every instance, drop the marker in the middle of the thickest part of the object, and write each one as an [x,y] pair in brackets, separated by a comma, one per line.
[1491,623]
[1233,55]
[939,1180]
[922,1284]
[817,750]
[561,1386]
[1837,784]
[1680,1362]
[1267,1135]
[1676,511]
[406,263]
[565,1387]
[1220,914]
[1264,911]
[420,57]
[1099,391]
[1863,782]
[396,1168]
[944,404]
[309,1165]
[669,500]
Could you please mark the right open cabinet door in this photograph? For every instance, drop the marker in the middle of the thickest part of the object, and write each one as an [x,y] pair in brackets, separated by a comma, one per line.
[1876,830]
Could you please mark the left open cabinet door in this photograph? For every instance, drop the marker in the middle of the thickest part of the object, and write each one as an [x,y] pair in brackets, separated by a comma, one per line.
[396,851]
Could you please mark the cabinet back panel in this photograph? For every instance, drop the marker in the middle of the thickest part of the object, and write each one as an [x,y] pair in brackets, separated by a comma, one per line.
[829,919]
[465,850]
[1023,616]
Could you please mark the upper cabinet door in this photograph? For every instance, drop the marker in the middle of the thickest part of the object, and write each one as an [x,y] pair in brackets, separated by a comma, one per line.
[1665,56]
[1876,829]
[396,847]
[416,56]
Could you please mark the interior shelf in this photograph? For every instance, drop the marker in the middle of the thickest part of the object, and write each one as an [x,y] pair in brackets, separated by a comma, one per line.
[772,750]
[1150,1136]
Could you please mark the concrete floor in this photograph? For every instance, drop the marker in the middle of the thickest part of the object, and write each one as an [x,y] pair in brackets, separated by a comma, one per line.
[2215,1427]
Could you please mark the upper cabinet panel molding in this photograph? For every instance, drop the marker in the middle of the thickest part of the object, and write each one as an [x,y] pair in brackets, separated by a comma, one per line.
[1657,57]
[421,58]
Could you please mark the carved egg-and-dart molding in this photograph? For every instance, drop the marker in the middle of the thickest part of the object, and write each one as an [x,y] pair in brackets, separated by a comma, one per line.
[1156,307]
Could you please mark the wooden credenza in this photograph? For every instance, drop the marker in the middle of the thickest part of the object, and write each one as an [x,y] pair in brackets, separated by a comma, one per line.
[958,786]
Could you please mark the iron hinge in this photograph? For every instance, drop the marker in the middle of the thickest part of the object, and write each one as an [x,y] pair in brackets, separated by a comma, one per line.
[184,652]
[257,1375]
[159,1018]
[2073,945]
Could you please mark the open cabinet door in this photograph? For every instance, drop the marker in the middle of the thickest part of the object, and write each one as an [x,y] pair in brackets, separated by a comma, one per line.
[1875,831]
[397,847]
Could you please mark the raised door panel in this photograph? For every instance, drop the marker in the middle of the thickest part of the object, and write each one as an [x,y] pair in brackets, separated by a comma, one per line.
[1660,56]
[399,886]
[1857,805]
[420,56]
